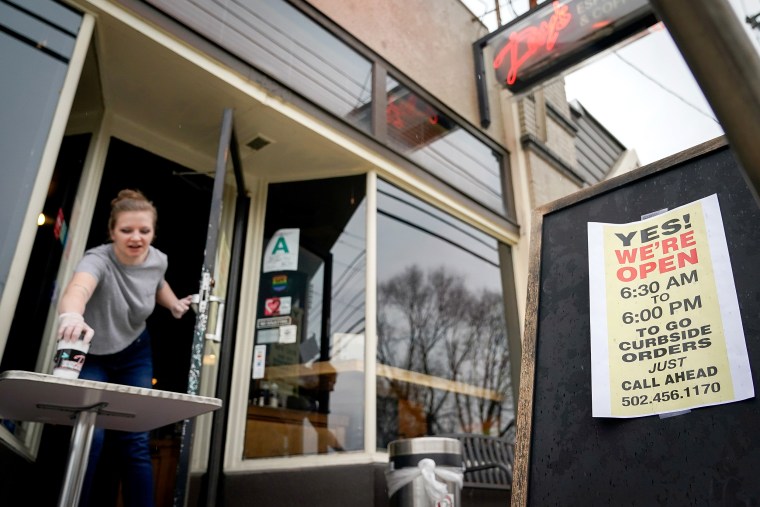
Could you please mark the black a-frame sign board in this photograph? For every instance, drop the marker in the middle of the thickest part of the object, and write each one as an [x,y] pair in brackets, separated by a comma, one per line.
[563,455]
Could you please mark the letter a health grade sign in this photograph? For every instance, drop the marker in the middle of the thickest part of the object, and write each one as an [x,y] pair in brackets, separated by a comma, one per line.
[666,333]
[282,251]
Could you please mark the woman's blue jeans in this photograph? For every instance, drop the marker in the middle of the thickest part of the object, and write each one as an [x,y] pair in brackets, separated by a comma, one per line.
[128,454]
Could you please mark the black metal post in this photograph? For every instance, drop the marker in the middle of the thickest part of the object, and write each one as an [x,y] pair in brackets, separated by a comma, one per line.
[480,84]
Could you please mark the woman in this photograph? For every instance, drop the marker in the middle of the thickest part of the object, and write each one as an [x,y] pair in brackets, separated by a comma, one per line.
[113,291]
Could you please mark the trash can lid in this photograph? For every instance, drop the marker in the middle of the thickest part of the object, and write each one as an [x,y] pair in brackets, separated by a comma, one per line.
[425,445]
[408,452]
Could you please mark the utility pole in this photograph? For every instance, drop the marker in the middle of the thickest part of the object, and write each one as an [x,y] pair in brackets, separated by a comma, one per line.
[726,66]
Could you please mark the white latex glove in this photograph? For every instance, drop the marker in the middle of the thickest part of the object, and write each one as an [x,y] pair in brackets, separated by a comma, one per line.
[71,325]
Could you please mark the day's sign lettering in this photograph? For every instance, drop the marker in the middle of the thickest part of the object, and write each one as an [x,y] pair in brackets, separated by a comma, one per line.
[558,34]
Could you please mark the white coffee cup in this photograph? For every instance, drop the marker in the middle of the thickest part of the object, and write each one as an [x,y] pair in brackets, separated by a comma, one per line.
[69,358]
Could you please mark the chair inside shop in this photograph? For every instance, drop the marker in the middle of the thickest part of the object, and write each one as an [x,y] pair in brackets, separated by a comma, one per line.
[487,460]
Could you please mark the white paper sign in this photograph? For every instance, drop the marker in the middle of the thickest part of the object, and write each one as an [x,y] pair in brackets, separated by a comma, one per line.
[259,359]
[666,332]
[282,251]
[288,334]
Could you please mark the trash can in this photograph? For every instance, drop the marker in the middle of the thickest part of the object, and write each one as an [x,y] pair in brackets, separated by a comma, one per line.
[425,472]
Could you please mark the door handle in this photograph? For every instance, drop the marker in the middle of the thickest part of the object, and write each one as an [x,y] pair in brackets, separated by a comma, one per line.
[217,334]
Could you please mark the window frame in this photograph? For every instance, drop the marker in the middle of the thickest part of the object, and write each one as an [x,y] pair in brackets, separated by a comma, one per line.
[243,360]
[28,446]
[383,68]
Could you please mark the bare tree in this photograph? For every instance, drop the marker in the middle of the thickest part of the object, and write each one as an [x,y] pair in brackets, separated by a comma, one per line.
[432,324]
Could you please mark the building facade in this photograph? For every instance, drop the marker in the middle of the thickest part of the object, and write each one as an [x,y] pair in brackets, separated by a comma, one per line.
[367,251]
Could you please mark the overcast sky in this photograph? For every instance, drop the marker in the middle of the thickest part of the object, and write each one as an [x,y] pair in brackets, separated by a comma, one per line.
[642,92]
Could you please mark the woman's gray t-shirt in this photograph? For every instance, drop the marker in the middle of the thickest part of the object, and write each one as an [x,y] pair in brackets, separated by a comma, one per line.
[124,297]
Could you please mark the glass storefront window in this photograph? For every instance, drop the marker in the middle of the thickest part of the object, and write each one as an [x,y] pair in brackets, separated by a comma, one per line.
[307,57]
[443,358]
[440,145]
[277,38]
[292,48]
[27,330]
[306,395]
[36,42]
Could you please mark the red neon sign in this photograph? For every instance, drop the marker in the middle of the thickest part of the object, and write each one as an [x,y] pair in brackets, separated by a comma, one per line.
[409,110]
[534,38]
[558,34]
[412,121]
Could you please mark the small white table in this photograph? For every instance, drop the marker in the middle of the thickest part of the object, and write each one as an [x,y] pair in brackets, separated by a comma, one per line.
[85,404]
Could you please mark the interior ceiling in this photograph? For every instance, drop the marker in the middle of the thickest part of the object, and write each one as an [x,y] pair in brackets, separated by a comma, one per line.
[178,107]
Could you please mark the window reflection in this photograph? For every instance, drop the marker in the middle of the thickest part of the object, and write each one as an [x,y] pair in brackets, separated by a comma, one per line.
[284,43]
[439,144]
[307,389]
[412,121]
[279,39]
[443,359]
[27,330]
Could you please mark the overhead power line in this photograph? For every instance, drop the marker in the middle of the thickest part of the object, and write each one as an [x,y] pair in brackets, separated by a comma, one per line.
[666,89]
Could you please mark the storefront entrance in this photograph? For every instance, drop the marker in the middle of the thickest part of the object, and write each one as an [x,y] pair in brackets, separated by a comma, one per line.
[112,142]
[182,198]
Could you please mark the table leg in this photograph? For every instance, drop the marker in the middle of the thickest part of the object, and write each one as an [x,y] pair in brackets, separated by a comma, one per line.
[79,453]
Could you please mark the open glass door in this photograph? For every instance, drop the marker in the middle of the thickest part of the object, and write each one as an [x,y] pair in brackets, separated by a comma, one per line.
[218,281]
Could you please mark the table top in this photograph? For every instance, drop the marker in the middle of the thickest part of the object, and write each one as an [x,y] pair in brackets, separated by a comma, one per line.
[30,396]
